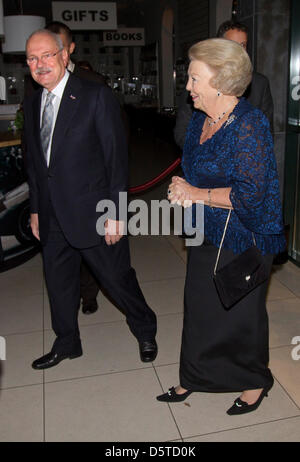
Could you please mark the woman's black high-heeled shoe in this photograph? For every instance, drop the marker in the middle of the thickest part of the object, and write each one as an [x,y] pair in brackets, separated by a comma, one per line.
[241,407]
[172,397]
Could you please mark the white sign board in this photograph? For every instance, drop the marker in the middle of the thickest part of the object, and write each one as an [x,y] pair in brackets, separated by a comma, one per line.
[124,38]
[86,15]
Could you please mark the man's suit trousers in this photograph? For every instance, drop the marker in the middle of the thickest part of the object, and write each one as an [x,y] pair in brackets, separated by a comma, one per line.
[111,266]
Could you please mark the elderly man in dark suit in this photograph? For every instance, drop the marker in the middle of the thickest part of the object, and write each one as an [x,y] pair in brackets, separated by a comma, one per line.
[89,287]
[258,93]
[76,157]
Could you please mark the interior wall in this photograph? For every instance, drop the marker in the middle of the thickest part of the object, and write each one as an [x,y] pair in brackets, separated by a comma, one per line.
[167,63]
[192,24]
[269,50]
[223,12]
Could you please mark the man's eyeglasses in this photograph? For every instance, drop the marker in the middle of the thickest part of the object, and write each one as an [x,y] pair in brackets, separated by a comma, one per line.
[44,58]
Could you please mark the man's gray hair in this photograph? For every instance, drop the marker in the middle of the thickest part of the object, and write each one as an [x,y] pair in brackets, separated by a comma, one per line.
[47,32]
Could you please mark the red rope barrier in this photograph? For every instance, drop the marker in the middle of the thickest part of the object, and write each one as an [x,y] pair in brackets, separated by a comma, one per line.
[161,176]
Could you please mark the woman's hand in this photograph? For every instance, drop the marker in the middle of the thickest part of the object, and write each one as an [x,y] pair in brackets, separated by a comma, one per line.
[181,192]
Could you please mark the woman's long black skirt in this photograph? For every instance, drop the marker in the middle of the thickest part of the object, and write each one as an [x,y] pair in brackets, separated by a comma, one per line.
[222,351]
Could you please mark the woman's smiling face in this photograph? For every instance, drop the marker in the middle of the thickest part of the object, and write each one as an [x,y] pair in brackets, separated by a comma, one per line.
[204,96]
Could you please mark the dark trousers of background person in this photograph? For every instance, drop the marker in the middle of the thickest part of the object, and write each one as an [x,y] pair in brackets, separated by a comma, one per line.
[111,266]
[89,287]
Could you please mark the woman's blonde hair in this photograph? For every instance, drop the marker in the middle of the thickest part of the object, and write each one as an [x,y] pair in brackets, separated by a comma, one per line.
[228,61]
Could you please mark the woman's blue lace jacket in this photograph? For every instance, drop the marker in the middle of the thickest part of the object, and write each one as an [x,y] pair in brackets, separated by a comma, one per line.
[240,155]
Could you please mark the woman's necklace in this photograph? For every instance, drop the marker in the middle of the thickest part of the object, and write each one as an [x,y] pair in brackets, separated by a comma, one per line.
[214,122]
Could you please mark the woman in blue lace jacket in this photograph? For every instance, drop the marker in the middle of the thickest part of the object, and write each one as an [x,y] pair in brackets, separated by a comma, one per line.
[228,163]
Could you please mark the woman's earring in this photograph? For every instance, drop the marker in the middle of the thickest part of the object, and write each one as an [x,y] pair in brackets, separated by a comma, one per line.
[219,94]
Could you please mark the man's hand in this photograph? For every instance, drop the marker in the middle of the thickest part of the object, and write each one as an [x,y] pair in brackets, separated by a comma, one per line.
[34,223]
[114,230]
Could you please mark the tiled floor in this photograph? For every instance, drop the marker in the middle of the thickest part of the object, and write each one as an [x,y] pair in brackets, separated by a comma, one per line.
[109,394]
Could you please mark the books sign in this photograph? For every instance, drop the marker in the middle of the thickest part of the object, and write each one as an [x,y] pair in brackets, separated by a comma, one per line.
[86,15]
[124,37]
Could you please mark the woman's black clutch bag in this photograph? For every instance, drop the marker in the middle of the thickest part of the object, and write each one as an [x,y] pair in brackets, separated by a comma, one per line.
[239,277]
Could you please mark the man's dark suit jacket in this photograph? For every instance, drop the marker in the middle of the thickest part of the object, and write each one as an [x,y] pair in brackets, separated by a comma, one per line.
[88,160]
[258,94]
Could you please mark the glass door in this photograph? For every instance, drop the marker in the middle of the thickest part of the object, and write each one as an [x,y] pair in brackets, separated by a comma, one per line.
[292,157]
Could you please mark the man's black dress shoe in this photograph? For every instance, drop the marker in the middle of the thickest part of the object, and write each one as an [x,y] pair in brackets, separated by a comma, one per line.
[52,359]
[90,308]
[148,350]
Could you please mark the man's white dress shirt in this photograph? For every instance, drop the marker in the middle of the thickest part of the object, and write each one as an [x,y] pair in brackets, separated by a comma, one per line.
[57,92]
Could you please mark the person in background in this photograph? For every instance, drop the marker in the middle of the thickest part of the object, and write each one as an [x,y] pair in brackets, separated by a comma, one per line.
[84,72]
[85,65]
[89,287]
[229,164]
[258,92]
[77,157]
